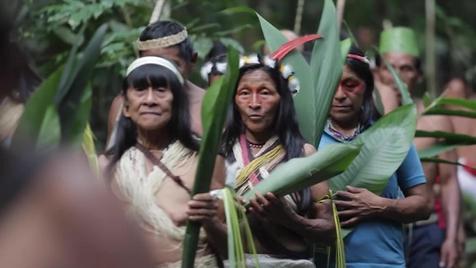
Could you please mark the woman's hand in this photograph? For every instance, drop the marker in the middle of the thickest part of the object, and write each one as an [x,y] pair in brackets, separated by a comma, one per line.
[203,208]
[271,208]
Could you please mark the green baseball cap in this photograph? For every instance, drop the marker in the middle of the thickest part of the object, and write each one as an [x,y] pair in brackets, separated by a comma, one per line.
[399,39]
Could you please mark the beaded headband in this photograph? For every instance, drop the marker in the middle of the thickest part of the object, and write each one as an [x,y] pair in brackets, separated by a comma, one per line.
[162,42]
[285,69]
[157,61]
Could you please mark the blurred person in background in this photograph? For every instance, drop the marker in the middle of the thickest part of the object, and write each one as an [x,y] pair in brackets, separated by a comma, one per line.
[433,242]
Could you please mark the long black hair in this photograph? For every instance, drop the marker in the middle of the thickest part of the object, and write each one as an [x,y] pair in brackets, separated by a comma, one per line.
[152,75]
[285,124]
[362,69]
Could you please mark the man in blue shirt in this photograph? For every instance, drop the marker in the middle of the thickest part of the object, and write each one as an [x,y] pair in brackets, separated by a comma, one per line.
[377,237]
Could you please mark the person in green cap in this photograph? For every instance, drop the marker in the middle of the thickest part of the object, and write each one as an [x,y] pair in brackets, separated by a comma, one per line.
[433,242]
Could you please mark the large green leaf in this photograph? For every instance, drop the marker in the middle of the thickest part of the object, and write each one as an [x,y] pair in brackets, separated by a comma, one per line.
[448,141]
[440,107]
[33,119]
[79,119]
[447,137]
[385,145]
[70,96]
[50,132]
[214,110]
[326,66]
[306,107]
[443,161]
[299,173]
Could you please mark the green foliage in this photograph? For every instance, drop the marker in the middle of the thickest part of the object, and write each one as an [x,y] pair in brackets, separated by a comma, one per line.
[326,65]
[59,110]
[447,141]
[39,116]
[460,107]
[214,109]
[72,100]
[299,173]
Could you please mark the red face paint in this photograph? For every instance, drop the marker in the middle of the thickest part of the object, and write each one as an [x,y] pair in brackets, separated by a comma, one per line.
[352,86]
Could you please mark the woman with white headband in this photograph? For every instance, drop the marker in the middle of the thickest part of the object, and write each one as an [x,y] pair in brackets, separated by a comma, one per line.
[153,163]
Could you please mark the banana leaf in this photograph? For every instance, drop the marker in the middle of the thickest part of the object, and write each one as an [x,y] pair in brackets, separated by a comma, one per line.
[449,141]
[35,120]
[443,161]
[304,103]
[214,110]
[70,98]
[447,137]
[439,107]
[385,145]
[299,173]
[326,67]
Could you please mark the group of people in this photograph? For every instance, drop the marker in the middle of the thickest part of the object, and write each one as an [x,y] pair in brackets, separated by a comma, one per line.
[156,130]
[152,154]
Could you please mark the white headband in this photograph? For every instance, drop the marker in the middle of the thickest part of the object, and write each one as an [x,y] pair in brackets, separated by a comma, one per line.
[157,61]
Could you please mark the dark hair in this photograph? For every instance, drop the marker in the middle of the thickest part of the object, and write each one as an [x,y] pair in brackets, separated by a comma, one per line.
[179,126]
[166,28]
[216,54]
[362,70]
[19,79]
[284,125]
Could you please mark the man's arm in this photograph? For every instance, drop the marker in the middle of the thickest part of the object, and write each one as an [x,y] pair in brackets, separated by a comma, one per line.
[357,204]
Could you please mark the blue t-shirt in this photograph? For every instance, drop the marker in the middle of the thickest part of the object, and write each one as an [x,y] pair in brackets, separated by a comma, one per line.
[379,243]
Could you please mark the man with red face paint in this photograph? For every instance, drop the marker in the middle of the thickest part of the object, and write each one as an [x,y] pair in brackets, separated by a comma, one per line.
[434,241]
[376,239]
